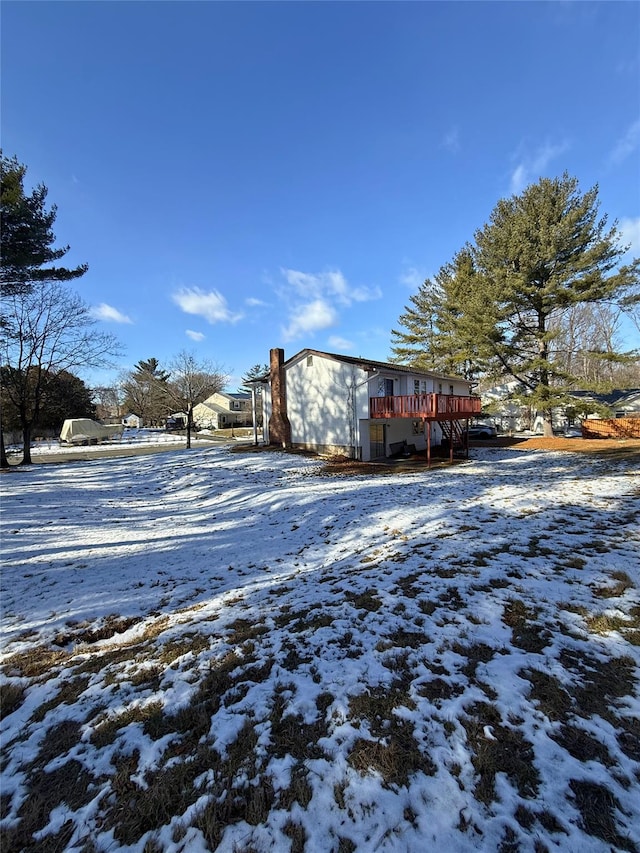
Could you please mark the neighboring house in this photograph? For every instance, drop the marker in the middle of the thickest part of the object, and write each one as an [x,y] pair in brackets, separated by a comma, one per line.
[337,404]
[176,421]
[222,410]
[132,422]
[622,403]
[513,416]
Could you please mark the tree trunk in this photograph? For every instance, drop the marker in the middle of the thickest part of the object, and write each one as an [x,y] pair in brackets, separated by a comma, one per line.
[543,351]
[4,461]
[189,419]
[26,444]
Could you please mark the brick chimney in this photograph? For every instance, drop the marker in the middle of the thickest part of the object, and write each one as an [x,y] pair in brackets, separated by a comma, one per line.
[279,426]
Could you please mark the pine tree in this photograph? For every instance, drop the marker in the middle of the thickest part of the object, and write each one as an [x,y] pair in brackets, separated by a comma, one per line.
[500,305]
[27,256]
[543,253]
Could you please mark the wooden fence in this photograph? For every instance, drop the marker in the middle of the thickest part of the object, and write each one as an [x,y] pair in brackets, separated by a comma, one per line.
[611,428]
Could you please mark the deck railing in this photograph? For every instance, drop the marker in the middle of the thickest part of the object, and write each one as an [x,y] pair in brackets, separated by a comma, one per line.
[432,406]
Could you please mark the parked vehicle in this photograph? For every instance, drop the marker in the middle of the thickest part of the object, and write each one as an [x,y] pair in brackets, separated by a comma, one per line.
[482,431]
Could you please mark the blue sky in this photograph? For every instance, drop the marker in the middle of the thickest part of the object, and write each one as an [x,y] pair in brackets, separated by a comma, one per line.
[240,175]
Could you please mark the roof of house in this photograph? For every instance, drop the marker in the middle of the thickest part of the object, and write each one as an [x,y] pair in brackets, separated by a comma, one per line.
[232,396]
[619,397]
[370,364]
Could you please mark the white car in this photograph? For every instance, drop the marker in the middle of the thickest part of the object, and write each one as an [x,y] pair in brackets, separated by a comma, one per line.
[482,431]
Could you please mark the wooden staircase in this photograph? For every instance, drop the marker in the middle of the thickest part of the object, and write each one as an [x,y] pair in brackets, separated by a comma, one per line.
[454,437]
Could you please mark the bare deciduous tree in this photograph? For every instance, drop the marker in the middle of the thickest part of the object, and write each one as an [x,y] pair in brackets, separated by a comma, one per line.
[46,330]
[192,381]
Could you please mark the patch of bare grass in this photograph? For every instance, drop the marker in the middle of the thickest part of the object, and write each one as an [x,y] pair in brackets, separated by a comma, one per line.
[507,751]
[549,693]
[297,833]
[12,695]
[526,632]
[69,784]
[395,753]
[395,756]
[291,735]
[168,791]
[107,730]
[601,682]
[582,745]
[104,629]
[408,639]
[597,807]
[475,653]
[298,791]
[58,740]
[35,662]
[622,583]
[189,642]
[411,585]
[437,690]
[70,691]
[242,630]
[605,623]
[367,600]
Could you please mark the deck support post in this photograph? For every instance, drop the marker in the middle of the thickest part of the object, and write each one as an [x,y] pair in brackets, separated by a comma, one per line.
[427,427]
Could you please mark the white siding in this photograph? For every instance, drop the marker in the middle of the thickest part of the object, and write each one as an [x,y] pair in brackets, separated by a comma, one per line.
[324,402]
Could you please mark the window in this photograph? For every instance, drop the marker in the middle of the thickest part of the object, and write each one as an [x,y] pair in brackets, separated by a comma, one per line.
[439,387]
[236,404]
[309,360]
[416,386]
[451,389]
[385,387]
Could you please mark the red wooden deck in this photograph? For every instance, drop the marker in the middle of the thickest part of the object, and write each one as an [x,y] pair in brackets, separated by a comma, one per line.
[432,407]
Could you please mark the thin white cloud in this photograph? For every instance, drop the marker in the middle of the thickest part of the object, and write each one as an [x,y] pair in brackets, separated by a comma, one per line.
[451,140]
[412,277]
[313,300]
[252,302]
[531,166]
[630,230]
[331,285]
[340,344]
[626,145]
[309,318]
[195,336]
[211,305]
[109,314]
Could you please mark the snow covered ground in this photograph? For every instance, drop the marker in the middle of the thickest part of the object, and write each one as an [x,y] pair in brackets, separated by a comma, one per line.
[129,438]
[210,650]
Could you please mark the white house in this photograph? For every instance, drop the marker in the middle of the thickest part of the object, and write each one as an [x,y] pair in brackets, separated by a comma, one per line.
[222,410]
[338,404]
[132,421]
